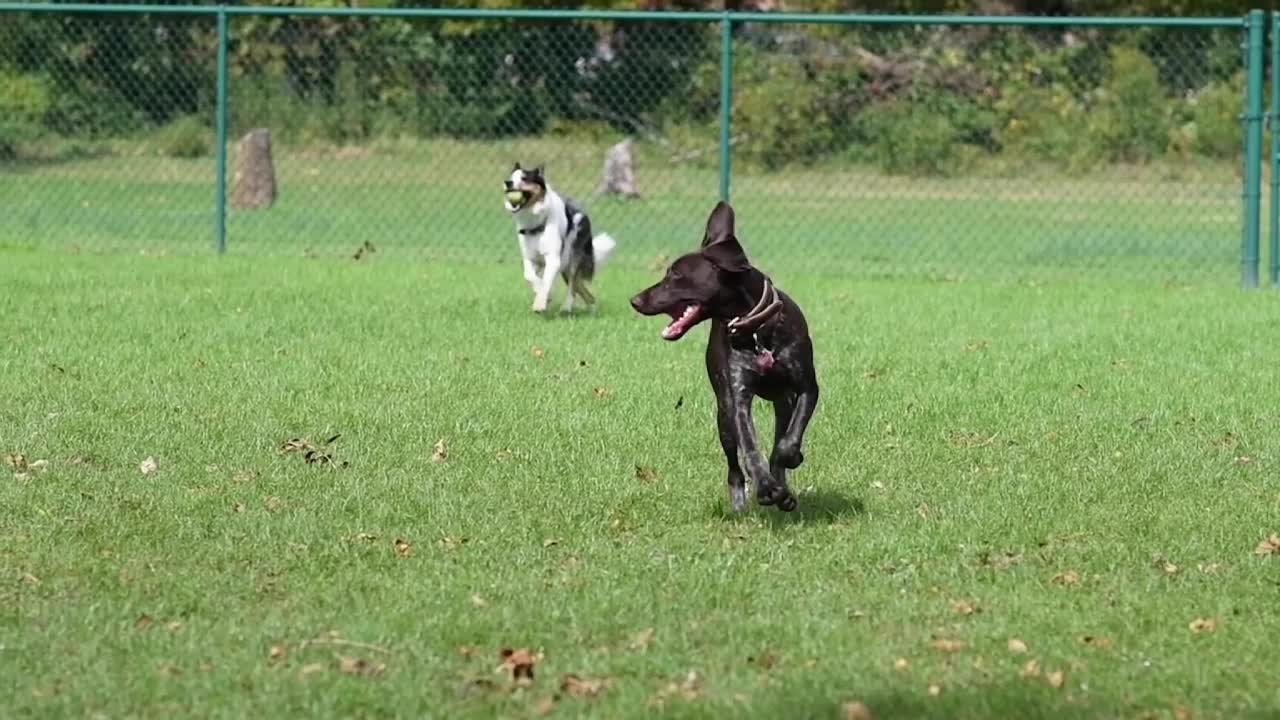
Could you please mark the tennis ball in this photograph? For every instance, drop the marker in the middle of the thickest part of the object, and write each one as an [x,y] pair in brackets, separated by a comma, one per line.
[514,196]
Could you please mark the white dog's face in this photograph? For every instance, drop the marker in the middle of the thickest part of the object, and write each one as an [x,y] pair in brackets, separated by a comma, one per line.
[523,188]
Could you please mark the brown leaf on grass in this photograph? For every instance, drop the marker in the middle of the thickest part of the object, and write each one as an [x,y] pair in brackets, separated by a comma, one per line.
[856,710]
[17,461]
[1067,578]
[519,662]
[965,607]
[366,537]
[1017,646]
[468,651]
[874,373]
[1031,669]
[278,653]
[901,665]
[149,466]
[765,660]
[645,474]
[601,393]
[1096,641]
[545,706]
[976,346]
[948,646]
[274,504]
[361,667]
[934,690]
[295,445]
[642,639]
[478,601]
[173,625]
[311,669]
[1244,460]
[1203,625]
[578,686]
[1270,546]
[538,352]
[238,508]
[403,548]
[440,452]
[143,622]
[1056,679]
[1181,713]
[451,543]
[28,579]
[999,561]
[1164,566]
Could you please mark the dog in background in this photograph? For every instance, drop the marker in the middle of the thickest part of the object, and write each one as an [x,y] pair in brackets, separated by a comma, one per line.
[555,239]
[759,346]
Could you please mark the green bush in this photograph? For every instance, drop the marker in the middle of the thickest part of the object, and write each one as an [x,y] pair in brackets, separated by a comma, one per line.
[1048,125]
[1132,117]
[186,137]
[776,110]
[1215,115]
[24,100]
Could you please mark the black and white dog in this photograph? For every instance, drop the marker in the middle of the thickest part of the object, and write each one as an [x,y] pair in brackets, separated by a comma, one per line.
[555,238]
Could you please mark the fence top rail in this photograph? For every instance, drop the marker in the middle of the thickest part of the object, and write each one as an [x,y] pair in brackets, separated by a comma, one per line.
[630,15]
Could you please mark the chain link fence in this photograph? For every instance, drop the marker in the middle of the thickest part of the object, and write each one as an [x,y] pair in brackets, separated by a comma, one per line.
[857,148]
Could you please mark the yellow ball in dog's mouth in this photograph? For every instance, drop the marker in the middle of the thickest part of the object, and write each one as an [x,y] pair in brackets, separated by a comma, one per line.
[515,197]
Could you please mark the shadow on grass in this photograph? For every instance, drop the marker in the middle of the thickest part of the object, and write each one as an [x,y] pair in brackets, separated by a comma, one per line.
[819,506]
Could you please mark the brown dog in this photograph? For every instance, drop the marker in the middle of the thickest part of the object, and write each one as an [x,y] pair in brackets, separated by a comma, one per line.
[759,346]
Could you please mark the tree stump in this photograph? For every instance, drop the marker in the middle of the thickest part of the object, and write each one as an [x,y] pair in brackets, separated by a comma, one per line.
[254,183]
[619,172]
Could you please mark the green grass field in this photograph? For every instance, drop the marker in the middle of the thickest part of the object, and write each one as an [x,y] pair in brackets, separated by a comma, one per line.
[1020,500]
[442,201]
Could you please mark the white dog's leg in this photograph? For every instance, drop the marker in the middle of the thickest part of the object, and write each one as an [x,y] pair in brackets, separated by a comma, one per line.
[550,269]
[531,274]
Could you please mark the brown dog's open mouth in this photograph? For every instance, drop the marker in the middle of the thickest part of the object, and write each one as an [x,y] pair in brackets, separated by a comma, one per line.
[683,322]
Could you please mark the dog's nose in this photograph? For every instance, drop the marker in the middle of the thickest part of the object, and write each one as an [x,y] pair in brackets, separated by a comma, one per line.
[636,302]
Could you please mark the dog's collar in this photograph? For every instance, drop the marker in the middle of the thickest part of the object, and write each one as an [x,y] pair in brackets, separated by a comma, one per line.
[536,230]
[765,309]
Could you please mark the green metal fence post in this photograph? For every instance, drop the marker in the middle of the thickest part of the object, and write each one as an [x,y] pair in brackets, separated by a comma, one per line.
[220,218]
[1273,249]
[1252,118]
[726,103]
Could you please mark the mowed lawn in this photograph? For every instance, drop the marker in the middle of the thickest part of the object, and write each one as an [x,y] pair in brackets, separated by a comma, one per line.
[1020,499]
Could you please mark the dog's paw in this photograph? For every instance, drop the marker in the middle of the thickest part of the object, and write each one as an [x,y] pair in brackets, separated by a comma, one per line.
[777,495]
[738,498]
[538,307]
[788,456]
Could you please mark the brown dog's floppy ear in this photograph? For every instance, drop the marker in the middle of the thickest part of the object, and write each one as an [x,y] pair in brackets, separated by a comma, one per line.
[719,225]
[728,255]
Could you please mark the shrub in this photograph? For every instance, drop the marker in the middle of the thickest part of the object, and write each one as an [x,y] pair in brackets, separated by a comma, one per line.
[1132,119]
[186,137]
[1215,116]
[24,100]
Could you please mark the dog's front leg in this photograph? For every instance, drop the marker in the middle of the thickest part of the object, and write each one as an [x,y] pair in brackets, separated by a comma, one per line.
[786,451]
[768,490]
[729,442]
[531,274]
[550,269]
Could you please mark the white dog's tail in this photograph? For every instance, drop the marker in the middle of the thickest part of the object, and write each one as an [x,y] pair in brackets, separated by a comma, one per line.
[602,246]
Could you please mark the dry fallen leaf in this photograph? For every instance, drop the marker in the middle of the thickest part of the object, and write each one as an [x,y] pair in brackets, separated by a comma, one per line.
[519,662]
[17,461]
[173,625]
[403,548]
[1016,646]
[478,601]
[1068,578]
[441,451]
[857,711]
[238,508]
[965,607]
[551,542]
[1270,546]
[1056,679]
[450,543]
[538,352]
[143,622]
[901,664]
[278,652]
[645,474]
[28,579]
[1096,641]
[935,690]
[1181,713]
[311,669]
[948,646]
[1203,625]
[1031,669]
[642,639]
[601,393]
[274,504]
[149,466]
[579,686]
[360,666]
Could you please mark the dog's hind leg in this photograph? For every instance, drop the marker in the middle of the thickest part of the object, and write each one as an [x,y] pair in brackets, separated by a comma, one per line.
[571,283]
[580,287]
[728,441]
